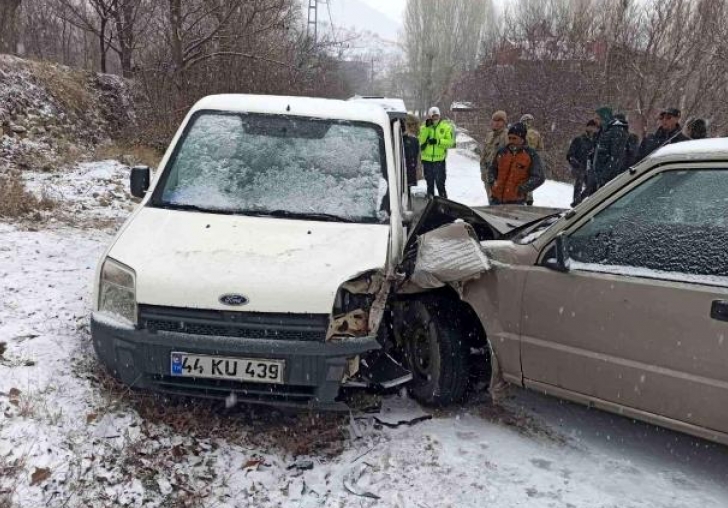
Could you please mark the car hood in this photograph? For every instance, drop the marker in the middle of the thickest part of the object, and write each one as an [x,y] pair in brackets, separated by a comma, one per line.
[507,218]
[489,222]
[190,259]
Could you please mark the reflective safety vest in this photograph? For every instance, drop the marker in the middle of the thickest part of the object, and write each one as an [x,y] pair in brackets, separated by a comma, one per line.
[444,138]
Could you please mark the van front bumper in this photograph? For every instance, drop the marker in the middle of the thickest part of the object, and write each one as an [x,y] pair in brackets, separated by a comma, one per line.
[312,376]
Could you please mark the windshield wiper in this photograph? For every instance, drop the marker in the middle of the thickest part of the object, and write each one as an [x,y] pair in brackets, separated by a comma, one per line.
[327,217]
[194,208]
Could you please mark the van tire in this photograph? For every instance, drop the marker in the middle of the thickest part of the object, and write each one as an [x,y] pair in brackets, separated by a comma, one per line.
[436,350]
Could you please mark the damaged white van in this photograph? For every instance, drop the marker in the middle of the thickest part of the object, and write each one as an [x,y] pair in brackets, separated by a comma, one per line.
[264,259]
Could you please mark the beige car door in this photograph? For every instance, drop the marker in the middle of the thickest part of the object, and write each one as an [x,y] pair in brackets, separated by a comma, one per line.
[640,319]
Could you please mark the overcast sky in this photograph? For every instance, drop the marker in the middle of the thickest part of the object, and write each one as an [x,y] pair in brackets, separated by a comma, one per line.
[395,8]
[392,8]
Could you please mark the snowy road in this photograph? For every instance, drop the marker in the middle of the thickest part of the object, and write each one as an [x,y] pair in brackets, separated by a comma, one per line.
[70,437]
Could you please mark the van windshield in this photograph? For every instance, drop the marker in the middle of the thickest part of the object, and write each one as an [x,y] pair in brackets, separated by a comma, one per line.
[282,166]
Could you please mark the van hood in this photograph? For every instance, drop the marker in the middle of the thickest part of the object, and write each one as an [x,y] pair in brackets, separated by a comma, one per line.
[191,259]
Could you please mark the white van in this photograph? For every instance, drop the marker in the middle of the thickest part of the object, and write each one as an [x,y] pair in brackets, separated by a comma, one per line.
[226,277]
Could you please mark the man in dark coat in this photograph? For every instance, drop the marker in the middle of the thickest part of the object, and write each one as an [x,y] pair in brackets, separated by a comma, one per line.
[611,147]
[669,132]
[580,151]
[411,149]
[631,156]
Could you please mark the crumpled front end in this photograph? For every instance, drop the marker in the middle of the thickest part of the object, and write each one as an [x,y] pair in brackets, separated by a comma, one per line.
[309,368]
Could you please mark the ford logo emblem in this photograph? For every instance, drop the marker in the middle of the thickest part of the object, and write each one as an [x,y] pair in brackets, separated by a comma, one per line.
[233,300]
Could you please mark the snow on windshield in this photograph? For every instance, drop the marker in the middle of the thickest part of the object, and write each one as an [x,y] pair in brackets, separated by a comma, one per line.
[260,163]
[675,222]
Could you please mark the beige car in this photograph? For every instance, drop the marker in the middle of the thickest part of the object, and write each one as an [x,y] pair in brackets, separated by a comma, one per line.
[621,303]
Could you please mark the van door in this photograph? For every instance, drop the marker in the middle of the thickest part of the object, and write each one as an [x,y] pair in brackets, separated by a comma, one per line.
[397,204]
[641,318]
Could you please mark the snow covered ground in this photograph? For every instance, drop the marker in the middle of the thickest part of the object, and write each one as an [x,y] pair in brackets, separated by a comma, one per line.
[71,437]
[464,184]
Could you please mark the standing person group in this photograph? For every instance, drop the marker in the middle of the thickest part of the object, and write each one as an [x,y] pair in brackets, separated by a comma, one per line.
[510,165]
[608,148]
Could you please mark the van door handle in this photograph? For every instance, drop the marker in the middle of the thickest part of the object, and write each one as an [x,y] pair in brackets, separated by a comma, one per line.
[719,310]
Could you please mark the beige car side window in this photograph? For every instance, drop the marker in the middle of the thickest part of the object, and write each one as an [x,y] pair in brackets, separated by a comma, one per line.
[675,222]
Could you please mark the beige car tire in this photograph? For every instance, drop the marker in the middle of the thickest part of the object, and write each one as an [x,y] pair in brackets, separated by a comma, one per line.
[436,351]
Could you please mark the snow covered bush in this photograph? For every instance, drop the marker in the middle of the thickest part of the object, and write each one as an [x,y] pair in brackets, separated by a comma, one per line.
[16,201]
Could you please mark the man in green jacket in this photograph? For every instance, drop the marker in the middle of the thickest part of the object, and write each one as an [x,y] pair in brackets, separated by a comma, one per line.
[436,138]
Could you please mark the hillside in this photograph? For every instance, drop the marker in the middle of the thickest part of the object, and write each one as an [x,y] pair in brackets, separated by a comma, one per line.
[50,114]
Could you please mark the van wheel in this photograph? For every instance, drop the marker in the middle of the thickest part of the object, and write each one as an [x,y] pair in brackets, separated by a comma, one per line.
[436,351]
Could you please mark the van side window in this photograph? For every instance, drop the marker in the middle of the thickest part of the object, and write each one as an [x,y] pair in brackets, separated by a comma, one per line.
[676,221]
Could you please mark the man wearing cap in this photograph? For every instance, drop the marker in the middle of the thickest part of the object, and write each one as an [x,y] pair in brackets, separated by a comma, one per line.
[496,139]
[669,132]
[436,138]
[515,171]
[580,151]
[534,140]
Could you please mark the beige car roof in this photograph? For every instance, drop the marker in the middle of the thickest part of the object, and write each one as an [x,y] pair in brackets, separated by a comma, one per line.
[692,151]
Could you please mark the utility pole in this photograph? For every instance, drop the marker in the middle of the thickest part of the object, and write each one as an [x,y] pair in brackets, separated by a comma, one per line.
[371,79]
[312,20]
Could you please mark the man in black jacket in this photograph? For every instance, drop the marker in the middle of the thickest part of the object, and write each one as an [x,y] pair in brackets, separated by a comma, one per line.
[669,132]
[611,148]
[580,150]
[411,149]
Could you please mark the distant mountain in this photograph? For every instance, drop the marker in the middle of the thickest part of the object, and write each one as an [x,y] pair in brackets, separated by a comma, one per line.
[348,14]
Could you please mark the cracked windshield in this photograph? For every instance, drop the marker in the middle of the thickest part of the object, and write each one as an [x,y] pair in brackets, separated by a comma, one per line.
[281,166]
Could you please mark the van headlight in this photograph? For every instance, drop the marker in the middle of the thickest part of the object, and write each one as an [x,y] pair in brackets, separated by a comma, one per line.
[117,294]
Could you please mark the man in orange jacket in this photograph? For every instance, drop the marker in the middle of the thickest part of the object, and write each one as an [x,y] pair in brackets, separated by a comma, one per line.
[516,170]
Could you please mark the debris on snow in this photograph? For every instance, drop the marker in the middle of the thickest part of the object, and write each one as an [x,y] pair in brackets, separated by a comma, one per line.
[352,478]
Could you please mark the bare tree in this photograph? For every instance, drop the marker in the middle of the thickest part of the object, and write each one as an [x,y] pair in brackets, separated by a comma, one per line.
[442,39]
[131,17]
[561,59]
[8,33]
[94,16]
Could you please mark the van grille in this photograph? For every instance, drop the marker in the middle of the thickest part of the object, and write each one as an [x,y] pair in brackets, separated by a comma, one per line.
[220,389]
[252,325]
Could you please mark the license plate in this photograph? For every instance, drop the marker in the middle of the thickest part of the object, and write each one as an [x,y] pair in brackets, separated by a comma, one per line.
[252,370]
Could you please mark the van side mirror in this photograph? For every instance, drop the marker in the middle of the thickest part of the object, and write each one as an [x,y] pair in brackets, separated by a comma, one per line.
[140,177]
[558,257]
